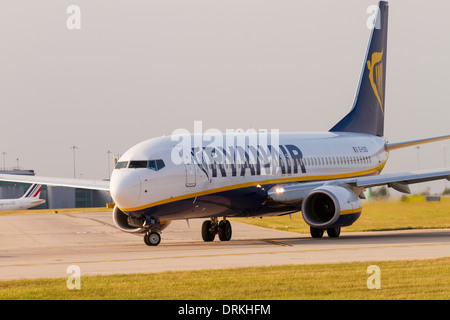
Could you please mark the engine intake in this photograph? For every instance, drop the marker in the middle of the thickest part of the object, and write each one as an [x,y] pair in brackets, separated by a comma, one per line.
[134,224]
[331,206]
[121,221]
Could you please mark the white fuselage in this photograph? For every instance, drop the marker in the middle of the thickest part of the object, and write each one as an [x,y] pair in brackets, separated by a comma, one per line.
[19,204]
[323,156]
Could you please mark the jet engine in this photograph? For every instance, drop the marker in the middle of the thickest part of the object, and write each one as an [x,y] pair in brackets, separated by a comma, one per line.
[135,224]
[122,222]
[331,206]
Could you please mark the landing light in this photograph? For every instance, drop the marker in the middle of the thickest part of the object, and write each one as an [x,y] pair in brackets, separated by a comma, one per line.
[279,190]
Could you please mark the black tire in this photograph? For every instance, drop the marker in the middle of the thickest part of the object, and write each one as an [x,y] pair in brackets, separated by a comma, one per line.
[146,240]
[334,232]
[152,238]
[315,232]
[207,234]
[225,231]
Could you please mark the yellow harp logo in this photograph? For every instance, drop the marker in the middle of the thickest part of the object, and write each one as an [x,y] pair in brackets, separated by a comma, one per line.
[376,76]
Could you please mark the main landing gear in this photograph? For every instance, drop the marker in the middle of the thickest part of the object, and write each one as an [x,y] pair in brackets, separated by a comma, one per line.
[332,232]
[212,227]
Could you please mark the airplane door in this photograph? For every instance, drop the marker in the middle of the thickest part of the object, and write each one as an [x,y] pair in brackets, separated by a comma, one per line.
[189,166]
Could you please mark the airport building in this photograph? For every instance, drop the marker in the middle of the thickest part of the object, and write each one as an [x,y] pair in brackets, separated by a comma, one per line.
[55,197]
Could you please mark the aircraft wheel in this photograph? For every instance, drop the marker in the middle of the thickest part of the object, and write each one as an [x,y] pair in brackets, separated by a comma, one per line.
[315,232]
[208,234]
[152,238]
[334,232]
[225,230]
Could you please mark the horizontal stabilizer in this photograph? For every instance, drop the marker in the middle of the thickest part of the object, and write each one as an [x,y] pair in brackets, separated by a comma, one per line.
[393,146]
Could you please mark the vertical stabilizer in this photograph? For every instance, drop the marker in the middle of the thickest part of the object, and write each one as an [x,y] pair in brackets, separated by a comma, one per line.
[367,114]
[33,192]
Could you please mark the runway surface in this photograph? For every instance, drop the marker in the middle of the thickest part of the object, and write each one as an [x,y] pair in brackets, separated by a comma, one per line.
[45,245]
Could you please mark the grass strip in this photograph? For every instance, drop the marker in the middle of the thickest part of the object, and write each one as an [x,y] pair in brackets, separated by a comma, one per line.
[375,216]
[416,279]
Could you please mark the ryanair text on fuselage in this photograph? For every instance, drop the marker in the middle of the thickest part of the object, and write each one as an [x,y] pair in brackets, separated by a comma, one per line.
[250,160]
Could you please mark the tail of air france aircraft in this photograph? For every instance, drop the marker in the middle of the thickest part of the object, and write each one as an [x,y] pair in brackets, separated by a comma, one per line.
[33,191]
[367,114]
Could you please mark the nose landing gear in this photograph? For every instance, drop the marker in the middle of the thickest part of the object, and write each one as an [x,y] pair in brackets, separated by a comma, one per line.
[212,227]
[152,238]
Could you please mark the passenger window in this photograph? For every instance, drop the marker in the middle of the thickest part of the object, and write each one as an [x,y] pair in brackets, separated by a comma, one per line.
[121,164]
[138,164]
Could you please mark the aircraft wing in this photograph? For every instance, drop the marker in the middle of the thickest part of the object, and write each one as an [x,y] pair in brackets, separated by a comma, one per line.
[296,192]
[60,182]
[400,178]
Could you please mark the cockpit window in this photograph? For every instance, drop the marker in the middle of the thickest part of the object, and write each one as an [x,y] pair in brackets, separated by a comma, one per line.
[152,165]
[138,164]
[156,164]
[121,164]
[135,164]
[160,164]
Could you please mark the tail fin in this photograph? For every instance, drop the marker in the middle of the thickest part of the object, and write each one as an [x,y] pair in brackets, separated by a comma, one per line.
[367,114]
[33,192]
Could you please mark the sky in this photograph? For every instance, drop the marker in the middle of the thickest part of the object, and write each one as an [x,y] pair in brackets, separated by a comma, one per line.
[135,70]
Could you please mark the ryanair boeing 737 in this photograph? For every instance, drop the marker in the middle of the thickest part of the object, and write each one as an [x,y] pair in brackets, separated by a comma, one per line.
[258,174]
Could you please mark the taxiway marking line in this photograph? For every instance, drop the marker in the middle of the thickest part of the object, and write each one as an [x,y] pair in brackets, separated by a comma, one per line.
[225,254]
[278,243]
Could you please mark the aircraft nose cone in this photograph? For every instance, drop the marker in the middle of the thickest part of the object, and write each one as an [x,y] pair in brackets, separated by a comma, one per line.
[125,188]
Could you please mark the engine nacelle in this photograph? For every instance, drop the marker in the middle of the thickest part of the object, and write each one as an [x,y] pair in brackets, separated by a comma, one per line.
[133,224]
[121,221]
[331,206]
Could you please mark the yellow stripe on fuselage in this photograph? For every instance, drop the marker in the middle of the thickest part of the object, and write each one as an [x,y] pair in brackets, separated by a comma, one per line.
[350,211]
[255,183]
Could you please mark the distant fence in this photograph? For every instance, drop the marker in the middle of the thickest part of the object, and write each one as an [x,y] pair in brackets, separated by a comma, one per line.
[433,198]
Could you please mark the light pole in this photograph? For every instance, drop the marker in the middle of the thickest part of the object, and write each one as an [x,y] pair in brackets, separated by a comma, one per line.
[418,163]
[445,155]
[73,148]
[109,164]
[445,162]
[4,160]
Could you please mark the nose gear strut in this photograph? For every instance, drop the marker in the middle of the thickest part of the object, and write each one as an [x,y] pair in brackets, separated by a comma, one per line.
[152,236]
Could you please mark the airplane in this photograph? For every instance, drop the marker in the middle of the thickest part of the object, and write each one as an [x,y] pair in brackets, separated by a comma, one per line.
[28,200]
[256,174]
